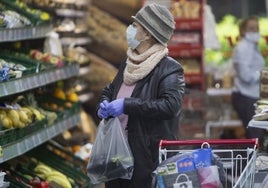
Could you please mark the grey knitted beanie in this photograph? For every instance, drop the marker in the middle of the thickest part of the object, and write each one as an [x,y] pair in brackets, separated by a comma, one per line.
[157,20]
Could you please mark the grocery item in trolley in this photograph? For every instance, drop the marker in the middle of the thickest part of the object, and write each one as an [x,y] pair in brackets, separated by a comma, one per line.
[225,163]
[179,184]
[196,165]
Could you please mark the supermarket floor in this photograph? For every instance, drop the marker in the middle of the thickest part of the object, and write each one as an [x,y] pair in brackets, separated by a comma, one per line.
[99,186]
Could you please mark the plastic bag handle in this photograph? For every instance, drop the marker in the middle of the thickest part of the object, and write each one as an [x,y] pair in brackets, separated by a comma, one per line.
[253,141]
[180,175]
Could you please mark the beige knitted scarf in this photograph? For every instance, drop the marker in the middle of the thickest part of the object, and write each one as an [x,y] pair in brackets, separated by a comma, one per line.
[140,65]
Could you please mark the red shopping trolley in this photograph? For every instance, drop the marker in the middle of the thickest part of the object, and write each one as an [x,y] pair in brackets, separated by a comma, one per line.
[237,156]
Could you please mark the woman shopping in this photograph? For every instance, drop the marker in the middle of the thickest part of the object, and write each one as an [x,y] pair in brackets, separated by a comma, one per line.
[147,92]
[248,62]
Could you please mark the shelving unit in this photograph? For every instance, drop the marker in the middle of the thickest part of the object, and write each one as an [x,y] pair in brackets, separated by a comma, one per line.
[15,34]
[31,141]
[73,13]
[258,124]
[220,98]
[18,147]
[187,45]
[33,81]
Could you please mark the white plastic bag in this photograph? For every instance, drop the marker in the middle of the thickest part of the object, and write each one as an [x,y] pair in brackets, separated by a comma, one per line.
[110,157]
[210,36]
[52,44]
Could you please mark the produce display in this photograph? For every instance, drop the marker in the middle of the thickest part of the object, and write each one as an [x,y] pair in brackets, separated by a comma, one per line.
[33,111]
[18,64]
[12,19]
[51,175]
[101,73]
[25,123]
[47,166]
[78,54]
[20,118]
[59,100]
[24,63]
[108,35]
[190,65]
[219,62]
[47,57]
[58,3]
[186,8]
[261,112]
[228,34]
[15,13]
[261,106]
[105,28]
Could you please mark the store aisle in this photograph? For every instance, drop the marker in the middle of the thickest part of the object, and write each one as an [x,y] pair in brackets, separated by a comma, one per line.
[99,186]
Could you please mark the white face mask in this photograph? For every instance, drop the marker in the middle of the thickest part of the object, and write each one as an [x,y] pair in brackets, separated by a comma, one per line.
[131,32]
[253,36]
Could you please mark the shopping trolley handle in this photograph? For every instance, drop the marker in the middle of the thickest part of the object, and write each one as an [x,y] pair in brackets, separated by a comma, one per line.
[252,141]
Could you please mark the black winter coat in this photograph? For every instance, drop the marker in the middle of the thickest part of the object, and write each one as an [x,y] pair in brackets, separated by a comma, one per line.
[153,113]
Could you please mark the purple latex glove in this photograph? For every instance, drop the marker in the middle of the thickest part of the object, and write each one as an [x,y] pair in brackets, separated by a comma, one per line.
[102,112]
[116,107]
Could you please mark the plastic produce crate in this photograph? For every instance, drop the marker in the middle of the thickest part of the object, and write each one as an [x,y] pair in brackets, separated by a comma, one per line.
[63,161]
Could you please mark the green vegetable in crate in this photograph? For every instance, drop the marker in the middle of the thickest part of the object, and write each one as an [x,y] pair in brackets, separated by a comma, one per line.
[35,15]
[12,19]
[2,20]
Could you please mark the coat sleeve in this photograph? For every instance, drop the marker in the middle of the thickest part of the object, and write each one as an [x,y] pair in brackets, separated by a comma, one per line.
[170,91]
[243,58]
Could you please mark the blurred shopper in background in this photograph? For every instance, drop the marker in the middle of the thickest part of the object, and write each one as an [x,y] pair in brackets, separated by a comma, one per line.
[248,63]
[147,92]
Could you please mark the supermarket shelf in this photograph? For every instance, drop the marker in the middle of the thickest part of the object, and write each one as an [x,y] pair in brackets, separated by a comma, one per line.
[84,70]
[71,13]
[15,34]
[72,2]
[193,102]
[12,150]
[86,97]
[221,124]
[185,50]
[194,78]
[258,124]
[188,24]
[67,41]
[37,80]
[219,92]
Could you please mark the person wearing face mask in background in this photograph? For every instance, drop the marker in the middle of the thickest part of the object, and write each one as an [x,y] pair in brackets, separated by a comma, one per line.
[147,92]
[248,62]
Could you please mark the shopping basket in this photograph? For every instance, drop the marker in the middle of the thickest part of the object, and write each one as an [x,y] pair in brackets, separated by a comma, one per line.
[238,157]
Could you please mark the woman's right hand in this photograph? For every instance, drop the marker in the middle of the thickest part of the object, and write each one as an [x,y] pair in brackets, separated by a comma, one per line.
[102,112]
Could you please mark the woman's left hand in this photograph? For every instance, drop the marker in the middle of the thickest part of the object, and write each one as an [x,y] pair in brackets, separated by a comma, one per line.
[116,107]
